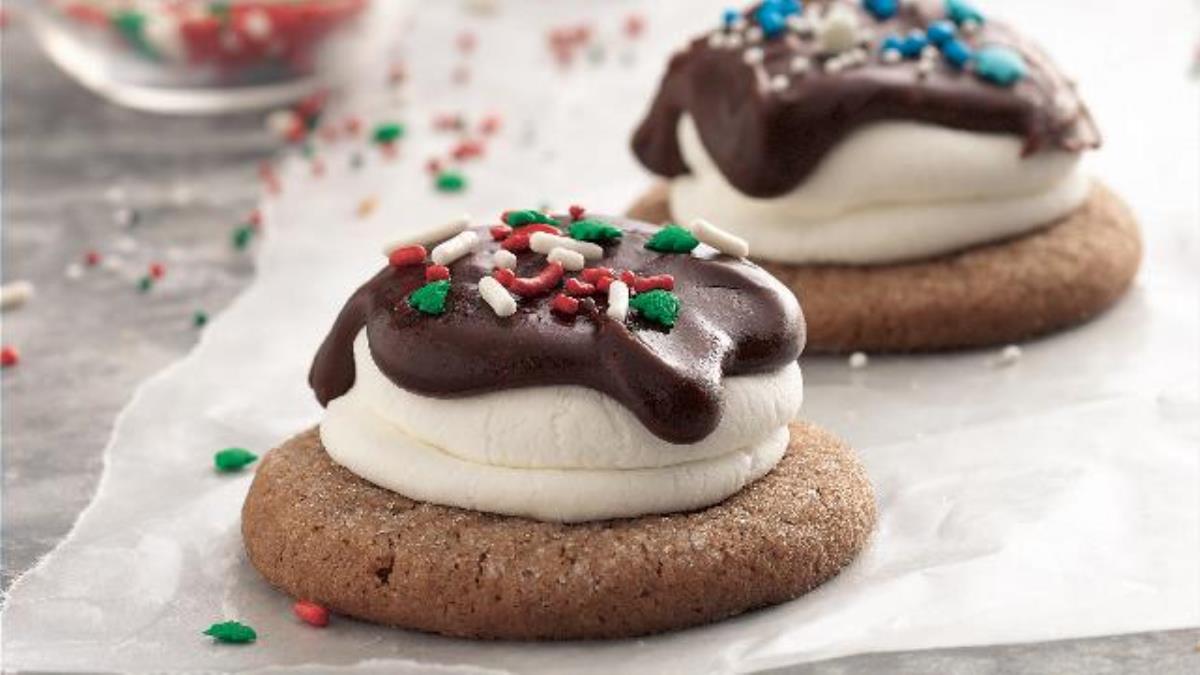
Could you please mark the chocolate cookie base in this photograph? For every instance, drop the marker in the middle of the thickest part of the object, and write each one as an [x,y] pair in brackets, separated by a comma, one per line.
[318,532]
[993,294]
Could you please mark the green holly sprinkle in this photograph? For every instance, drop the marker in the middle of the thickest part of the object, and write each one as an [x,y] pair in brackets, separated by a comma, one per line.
[388,132]
[232,632]
[200,318]
[451,181]
[131,25]
[673,239]
[528,217]
[594,231]
[145,284]
[242,235]
[233,459]
[659,306]
[430,298]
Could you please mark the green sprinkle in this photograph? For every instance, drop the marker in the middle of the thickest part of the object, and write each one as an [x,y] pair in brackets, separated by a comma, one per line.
[430,298]
[242,236]
[388,132]
[200,318]
[233,459]
[673,239]
[233,632]
[528,217]
[594,231]
[145,284]
[131,25]
[451,181]
[659,306]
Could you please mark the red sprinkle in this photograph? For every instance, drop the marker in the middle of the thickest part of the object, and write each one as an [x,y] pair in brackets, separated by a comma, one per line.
[579,288]
[91,258]
[255,218]
[433,166]
[634,25]
[537,227]
[468,150]
[407,255]
[576,211]
[564,305]
[157,271]
[266,173]
[352,125]
[545,280]
[500,232]
[595,274]
[629,278]
[466,42]
[311,613]
[389,150]
[603,283]
[9,356]
[664,282]
[490,125]
[518,241]
[506,277]
[437,273]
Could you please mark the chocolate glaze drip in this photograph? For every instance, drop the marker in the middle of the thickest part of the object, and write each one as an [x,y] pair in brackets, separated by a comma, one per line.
[735,319]
[766,142]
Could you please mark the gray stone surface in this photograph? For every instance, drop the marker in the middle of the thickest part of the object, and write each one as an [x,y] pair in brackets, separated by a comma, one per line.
[87,343]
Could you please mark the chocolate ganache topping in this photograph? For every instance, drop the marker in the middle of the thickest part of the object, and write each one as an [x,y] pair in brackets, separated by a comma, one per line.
[777,87]
[730,318]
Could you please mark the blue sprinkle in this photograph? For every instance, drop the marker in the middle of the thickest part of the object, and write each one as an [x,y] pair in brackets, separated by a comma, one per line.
[961,10]
[773,23]
[1000,65]
[913,44]
[956,52]
[785,7]
[882,9]
[940,31]
[730,17]
[892,42]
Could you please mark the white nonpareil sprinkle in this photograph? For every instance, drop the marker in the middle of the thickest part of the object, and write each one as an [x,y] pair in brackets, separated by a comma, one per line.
[544,242]
[753,55]
[780,82]
[859,360]
[1009,356]
[618,301]
[572,261]
[454,248]
[723,241]
[15,294]
[503,259]
[924,68]
[754,34]
[801,65]
[838,32]
[892,56]
[716,40]
[497,297]
[439,233]
[733,40]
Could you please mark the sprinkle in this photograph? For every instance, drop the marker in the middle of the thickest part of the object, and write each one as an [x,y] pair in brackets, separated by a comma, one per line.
[563,304]
[672,239]
[723,241]
[437,273]
[593,230]
[924,68]
[730,17]
[629,277]
[15,294]
[503,259]
[145,284]
[494,294]
[505,276]
[940,32]
[500,232]
[387,133]
[800,25]
[200,318]
[800,65]
[232,632]
[311,613]
[634,26]
[467,150]
[753,56]
[519,240]
[91,258]
[542,284]
[664,282]
[233,459]
[242,236]
[527,217]
[9,356]
[450,181]
[1000,65]
[1009,356]
[366,207]
[618,301]
[433,235]
[466,42]
[661,307]
[858,360]
[956,52]
[914,43]
[579,288]
[779,83]
[839,31]
[595,274]
[572,261]
[405,256]
[490,124]
[430,298]
[543,242]
[716,40]
[453,249]
[892,56]
[603,283]
[961,11]
[882,9]
[754,34]
[157,271]
[576,212]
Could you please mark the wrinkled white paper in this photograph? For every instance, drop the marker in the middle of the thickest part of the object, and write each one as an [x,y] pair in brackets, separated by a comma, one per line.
[1052,498]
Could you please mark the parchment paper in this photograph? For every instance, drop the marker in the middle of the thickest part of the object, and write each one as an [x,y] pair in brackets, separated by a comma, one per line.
[1052,498]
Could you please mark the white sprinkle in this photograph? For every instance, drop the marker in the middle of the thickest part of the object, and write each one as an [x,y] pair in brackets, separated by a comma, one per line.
[454,248]
[436,234]
[503,259]
[1009,356]
[929,53]
[74,271]
[257,24]
[839,31]
[801,65]
[572,261]
[618,301]
[892,56]
[859,360]
[754,34]
[859,56]
[780,82]
[15,294]
[733,41]
[834,65]
[753,55]
[924,68]
[716,40]
[800,24]
[497,297]
[723,241]
[544,242]
[281,122]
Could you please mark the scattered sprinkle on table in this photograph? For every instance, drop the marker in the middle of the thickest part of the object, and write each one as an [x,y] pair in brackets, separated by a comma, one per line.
[200,318]
[859,360]
[9,356]
[233,459]
[450,181]
[311,613]
[231,632]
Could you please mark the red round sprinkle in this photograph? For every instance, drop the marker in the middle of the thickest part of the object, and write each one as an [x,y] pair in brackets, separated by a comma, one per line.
[506,277]
[437,273]
[311,613]
[664,282]
[545,280]
[389,150]
[490,124]
[407,255]
[594,274]
[433,166]
[9,356]
[500,232]
[579,288]
[576,211]
[91,258]
[157,271]
[564,305]
[634,25]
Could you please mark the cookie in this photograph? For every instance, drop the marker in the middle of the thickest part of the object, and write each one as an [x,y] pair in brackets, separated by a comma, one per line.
[318,532]
[992,294]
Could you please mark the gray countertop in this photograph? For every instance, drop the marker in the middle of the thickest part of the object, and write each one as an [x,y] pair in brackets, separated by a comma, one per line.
[70,163]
